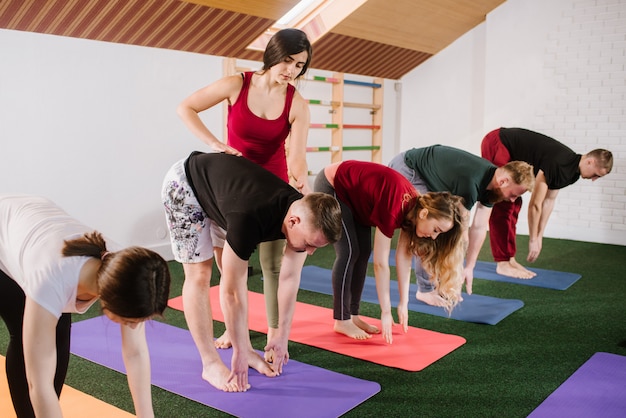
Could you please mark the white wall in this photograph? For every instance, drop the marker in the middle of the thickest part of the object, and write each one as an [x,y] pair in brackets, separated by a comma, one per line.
[443,100]
[92,125]
[556,67]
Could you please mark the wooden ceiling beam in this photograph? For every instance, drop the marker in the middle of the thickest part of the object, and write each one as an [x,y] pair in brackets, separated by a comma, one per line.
[418,25]
[269,9]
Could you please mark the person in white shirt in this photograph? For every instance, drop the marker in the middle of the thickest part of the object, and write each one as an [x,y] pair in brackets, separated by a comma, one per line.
[51,266]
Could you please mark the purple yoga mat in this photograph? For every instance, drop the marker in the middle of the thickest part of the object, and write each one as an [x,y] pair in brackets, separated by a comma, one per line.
[596,390]
[301,390]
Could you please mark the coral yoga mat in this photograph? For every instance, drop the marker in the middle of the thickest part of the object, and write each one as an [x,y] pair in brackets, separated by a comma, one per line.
[313,325]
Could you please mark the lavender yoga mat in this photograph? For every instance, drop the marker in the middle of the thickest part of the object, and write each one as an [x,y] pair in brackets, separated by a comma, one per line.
[474,308]
[596,390]
[301,390]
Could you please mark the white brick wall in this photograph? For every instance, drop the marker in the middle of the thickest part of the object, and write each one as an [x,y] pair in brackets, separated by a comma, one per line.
[557,67]
[585,58]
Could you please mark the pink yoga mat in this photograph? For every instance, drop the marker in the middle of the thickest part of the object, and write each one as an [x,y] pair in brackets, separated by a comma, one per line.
[313,325]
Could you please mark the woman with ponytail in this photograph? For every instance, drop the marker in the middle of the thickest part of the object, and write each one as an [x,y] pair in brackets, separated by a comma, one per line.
[431,227]
[52,266]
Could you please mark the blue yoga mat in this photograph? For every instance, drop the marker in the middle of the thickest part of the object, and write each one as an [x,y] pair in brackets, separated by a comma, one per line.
[596,390]
[301,390]
[548,279]
[474,308]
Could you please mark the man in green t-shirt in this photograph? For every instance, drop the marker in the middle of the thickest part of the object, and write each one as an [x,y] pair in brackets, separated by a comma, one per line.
[440,168]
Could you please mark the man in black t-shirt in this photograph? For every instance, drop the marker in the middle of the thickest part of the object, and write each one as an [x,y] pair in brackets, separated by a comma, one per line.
[206,191]
[556,166]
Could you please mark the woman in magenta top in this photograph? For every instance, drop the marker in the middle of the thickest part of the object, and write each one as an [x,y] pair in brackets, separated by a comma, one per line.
[431,225]
[260,140]
[265,113]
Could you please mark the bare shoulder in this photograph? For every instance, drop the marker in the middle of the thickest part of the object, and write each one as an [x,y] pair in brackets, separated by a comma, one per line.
[227,87]
[231,82]
[299,105]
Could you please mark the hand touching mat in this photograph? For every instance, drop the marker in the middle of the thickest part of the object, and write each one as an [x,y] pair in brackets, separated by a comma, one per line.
[313,325]
[301,390]
[74,403]
[474,308]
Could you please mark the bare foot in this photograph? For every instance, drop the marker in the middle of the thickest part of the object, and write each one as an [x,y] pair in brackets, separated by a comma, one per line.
[216,374]
[223,341]
[518,266]
[257,363]
[505,268]
[349,328]
[269,355]
[526,273]
[431,298]
[370,329]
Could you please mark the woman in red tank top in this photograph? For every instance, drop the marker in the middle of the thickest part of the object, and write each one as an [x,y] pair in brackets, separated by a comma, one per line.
[264,109]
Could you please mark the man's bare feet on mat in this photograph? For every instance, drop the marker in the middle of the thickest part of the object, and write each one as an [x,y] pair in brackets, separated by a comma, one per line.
[223,341]
[431,298]
[506,268]
[216,374]
[517,265]
[350,329]
[257,363]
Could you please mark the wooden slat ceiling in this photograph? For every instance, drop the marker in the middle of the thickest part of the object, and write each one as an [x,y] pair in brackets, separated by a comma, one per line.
[382,38]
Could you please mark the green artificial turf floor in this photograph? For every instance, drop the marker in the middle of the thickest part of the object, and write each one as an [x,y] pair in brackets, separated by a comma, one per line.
[504,370]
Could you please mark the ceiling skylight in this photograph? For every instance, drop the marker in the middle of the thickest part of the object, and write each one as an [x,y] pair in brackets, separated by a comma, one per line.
[314,17]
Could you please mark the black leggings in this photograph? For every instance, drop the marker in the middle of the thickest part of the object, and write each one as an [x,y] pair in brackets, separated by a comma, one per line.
[12,301]
[352,253]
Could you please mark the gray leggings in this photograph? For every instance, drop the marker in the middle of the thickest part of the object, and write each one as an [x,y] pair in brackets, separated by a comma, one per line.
[352,253]
[397,163]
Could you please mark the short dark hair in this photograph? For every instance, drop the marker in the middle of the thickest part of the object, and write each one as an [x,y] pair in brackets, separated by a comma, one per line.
[326,214]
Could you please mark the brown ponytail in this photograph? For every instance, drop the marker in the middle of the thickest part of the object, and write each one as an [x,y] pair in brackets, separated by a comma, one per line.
[132,283]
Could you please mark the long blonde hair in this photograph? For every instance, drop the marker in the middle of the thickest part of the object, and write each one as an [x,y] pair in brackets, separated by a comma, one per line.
[442,258]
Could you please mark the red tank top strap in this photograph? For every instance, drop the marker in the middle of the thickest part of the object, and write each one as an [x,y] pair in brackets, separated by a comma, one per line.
[243,93]
[291,91]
